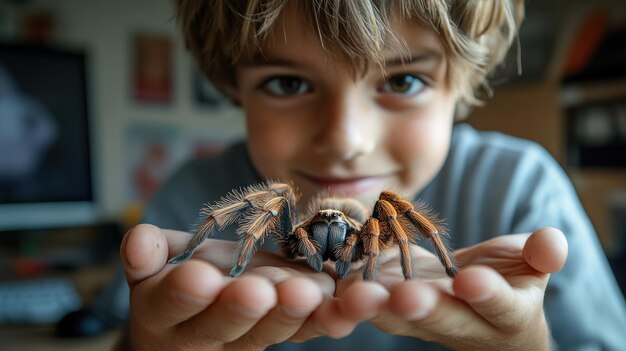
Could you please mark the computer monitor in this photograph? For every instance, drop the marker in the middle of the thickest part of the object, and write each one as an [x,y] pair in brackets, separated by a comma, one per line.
[46,178]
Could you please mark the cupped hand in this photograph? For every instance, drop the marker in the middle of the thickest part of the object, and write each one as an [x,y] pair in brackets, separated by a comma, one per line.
[195,305]
[495,301]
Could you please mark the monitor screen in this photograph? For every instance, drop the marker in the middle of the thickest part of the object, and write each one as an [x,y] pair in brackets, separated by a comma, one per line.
[45,163]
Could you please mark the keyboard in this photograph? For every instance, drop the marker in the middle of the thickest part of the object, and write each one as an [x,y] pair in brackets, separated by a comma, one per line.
[37,301]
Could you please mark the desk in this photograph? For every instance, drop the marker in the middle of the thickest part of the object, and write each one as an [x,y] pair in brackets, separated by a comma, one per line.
[42,338]
[89,282]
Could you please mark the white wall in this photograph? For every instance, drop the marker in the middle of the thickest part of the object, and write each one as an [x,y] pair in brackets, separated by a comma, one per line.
[104,29]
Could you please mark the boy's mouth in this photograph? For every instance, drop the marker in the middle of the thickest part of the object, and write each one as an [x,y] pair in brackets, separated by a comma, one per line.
[349,186]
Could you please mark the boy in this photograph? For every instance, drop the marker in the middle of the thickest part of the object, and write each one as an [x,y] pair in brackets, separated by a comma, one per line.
[356,97]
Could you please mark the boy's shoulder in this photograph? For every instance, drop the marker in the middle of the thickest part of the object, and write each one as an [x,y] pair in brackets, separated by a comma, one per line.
[473,142]
[498,163]
[496,153]
[491,181]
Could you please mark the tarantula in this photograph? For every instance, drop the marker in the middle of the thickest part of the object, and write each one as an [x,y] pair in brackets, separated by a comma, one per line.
[336,229]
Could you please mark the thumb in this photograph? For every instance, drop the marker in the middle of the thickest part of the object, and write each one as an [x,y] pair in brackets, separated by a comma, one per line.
[506,301]
[143,252]
[546,250]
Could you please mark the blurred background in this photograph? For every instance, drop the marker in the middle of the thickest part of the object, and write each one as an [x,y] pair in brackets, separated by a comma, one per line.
[99,103]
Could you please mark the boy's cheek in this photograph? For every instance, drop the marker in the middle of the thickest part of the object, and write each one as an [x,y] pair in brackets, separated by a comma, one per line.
[274,155]
[421,147]
[270,140]
[420,138]
[267,162]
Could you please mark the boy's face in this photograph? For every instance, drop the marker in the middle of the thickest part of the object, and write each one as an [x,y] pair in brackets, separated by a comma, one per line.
[313,121]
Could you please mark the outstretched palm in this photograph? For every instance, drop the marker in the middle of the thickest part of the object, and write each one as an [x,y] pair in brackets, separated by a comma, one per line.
[497,294]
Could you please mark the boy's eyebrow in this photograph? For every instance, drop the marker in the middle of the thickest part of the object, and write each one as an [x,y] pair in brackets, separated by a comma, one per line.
[263,60]
[413,58]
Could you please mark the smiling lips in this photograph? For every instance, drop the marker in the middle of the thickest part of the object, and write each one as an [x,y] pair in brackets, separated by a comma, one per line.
[345,186]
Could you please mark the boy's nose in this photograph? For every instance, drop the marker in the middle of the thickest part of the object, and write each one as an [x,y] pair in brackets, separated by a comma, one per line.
[348,129]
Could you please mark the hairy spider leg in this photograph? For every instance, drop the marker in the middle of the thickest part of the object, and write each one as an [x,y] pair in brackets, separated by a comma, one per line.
[306,247]
[228,210]
[370,235]
[346,254]
[426,227]
[386,213]
[255,226]
[204,230]
[429,231]
[218,217]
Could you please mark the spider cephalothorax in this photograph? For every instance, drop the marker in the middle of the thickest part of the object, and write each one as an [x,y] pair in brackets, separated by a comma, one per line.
[336,229]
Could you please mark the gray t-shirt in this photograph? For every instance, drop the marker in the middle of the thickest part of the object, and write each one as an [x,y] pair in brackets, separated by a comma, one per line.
[491,184]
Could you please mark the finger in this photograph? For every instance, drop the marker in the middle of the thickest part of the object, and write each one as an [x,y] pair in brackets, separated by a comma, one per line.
[278,274]
[325,320]
[337,317]
[241,305]
[546,250]
[493,252]
[146,248]
[421,310]
[184,291]
[492,297]
[363,301]
[143,252]
[413,300]
[297,299]
[425,266]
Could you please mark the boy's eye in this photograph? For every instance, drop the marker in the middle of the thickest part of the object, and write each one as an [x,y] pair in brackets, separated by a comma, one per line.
[286,86]
[406,84]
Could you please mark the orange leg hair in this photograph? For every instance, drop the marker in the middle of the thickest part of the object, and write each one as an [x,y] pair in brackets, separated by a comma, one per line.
[346,254]
[370,234]
[255,227]
[387,215]
[219,217]
[426,226]
[237,205]
[307,248]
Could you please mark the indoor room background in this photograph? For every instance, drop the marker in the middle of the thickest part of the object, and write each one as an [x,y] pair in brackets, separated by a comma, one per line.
[149,110]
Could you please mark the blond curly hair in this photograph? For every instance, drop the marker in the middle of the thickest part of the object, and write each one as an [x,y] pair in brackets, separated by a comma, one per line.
[475,34]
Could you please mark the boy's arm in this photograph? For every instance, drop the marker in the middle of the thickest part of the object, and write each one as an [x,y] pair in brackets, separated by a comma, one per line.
[194,306]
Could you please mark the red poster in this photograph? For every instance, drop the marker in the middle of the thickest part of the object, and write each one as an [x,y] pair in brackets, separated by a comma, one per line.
[153,68]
